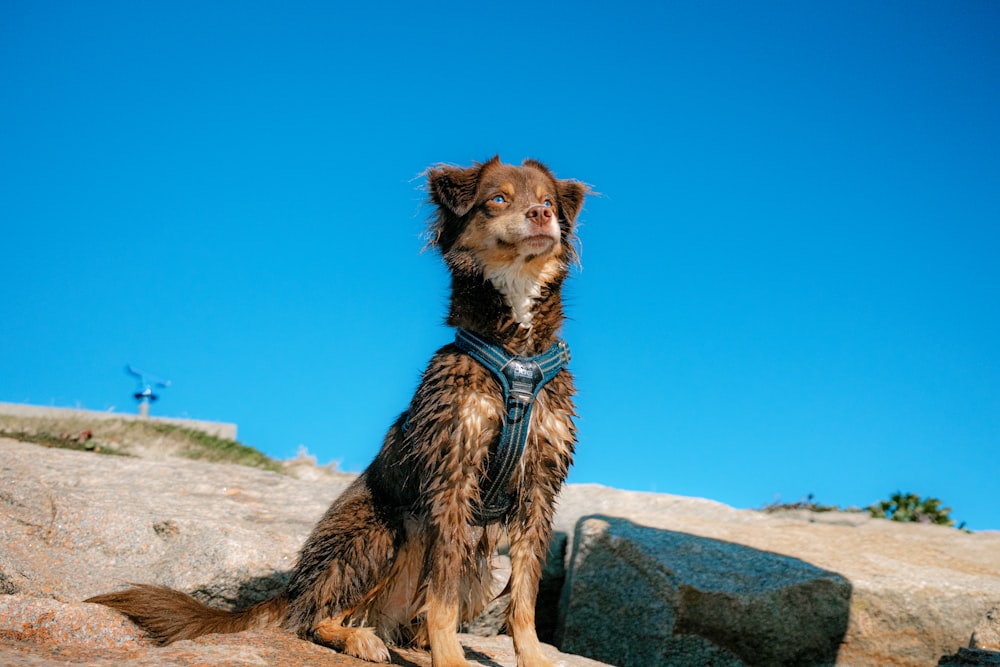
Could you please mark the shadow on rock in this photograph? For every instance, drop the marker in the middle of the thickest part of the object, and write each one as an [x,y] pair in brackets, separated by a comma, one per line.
[221,594]
[639,596]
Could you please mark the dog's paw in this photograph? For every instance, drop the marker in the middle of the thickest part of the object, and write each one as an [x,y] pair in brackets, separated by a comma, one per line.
[537,660]
[359,642]
[457,662]
[365,644]
[451,656]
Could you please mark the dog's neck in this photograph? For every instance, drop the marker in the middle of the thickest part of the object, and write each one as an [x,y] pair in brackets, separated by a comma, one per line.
[520,292]
[522,315]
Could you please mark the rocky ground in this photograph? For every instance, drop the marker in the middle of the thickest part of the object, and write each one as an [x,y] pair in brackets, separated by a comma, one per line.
[74,524]
[36,632]
[633,579]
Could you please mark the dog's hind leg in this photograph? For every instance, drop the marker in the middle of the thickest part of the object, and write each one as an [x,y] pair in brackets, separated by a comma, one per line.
[340,570]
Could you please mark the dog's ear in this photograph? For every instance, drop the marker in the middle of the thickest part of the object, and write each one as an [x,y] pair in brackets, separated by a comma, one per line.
[455,188]
[453,191]
[570,194]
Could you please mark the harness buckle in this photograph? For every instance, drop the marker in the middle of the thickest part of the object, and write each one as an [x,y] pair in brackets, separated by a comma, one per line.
[524,376]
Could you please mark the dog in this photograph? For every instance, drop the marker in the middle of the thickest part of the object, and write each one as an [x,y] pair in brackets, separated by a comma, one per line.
[405,553]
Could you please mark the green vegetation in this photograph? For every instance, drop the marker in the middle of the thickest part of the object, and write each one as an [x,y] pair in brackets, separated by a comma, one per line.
[909,507]
[903,507]
[204,447]
[78,442]
[806,503]
[145,438]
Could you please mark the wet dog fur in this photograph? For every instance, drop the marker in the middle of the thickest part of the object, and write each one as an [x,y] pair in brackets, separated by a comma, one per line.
[398,557]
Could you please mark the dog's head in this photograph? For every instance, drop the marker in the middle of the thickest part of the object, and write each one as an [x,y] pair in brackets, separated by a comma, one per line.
[501,216]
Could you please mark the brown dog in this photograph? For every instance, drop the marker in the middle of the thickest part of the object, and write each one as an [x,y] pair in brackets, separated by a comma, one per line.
[405,552]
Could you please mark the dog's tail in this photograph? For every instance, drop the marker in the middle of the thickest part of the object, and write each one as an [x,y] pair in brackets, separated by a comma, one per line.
[168,615]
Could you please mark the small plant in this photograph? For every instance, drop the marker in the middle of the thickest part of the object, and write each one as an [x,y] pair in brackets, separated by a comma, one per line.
[909,507]
[807,503]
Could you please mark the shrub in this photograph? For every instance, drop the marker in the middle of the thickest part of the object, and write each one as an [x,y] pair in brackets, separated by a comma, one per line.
[910,507]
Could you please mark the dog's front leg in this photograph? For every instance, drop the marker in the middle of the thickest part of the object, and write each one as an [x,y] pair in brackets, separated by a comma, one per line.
[442,627]
[448,554]
[529,538]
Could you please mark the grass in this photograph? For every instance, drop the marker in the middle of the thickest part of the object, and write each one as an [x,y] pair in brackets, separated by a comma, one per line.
[60,442]
[204,447]
[806,503]
[132,437]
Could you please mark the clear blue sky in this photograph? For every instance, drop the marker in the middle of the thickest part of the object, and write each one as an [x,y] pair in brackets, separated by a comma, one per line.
[789,281]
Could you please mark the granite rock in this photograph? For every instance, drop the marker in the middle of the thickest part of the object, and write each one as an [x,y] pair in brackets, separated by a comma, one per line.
[74,524]
[987,633]
[37,632]
[971,657]
[654,579]
[632,578]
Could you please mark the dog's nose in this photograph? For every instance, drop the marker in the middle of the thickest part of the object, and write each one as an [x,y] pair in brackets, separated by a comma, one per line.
[540,215]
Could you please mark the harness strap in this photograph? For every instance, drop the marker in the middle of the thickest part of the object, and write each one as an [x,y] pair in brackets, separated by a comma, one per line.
[521,379]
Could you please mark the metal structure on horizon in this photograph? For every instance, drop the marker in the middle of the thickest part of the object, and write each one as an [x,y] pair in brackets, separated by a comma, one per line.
[144,392]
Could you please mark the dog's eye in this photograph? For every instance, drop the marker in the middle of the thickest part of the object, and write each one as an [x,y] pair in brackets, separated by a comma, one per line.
[499,199]
[548,202]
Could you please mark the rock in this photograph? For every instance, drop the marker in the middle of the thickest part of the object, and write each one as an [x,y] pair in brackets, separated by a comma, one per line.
[642,596]
[984,645]
[971,657]
[493,620]
[550,589]
[651,579]
[74,524]
[987,633]
[655,579]
[43,621]
[45,633]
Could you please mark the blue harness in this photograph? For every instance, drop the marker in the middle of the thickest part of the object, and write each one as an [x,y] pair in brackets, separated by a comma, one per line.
[521,379]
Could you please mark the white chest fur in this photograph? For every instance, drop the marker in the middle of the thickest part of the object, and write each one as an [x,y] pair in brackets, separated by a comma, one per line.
[518,287]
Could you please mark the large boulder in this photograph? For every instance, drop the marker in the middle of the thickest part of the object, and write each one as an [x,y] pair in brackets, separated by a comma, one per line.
[688,600]
[654,580]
